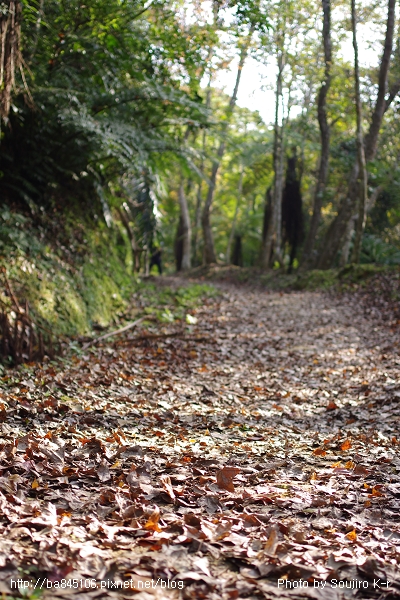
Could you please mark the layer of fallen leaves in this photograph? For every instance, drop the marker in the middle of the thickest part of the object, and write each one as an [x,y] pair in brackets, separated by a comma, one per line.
[259,442]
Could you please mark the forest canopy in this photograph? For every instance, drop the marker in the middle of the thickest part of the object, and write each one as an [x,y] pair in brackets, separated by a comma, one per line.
[133,111]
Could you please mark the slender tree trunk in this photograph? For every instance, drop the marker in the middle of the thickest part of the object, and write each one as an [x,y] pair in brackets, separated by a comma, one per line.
[264,260]
[10,52]
[272,240]
[325,138]
[209,250]
[278,192]
[134,245]
[362,167]
[375,195]
[197,222]
[232,233]
[186,227]
[37,32]
[338,227]
[272,243]
[197,218]
[347,238]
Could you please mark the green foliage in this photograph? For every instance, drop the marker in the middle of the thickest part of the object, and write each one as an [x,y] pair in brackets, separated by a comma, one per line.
[170,304]
[105,99]
[375,250]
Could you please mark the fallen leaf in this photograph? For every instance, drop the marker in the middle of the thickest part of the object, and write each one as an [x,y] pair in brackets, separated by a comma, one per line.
[331,405]
[350,464]
[166,483]
[346,445]
[152,522]
[103,472]
[319,452]
[352,535]
[225,478]
[376,492]
[271,543]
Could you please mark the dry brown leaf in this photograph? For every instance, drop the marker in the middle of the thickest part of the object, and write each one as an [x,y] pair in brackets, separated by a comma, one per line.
[166,483]
[103,472]
[331,405]
[271,543]
[319,452]
[225,478]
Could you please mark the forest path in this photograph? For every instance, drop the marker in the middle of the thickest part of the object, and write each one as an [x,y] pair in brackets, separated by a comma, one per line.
[260,443]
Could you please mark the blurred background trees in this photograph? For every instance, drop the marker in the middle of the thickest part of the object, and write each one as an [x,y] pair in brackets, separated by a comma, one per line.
[114,112]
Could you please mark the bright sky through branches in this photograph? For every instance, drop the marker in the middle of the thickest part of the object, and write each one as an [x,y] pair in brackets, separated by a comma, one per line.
[256,90]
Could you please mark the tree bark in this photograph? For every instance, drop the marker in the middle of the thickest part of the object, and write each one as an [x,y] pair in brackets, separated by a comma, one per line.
[272,241]
[134,246]
[338,226]
[197,217]
[263,259]
[186,227]
[232,233]
[324,128]
[209,250]
[10,52]
[362,167]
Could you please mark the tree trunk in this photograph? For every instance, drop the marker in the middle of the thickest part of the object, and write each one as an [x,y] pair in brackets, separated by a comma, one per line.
[347,238]
[272,241]
[324,128]
[264,258]
[186,228]
[338,226]
[197,217]
[362,167]
[134,246]
[209,250]
[10,52]
[197,223]
[232,233]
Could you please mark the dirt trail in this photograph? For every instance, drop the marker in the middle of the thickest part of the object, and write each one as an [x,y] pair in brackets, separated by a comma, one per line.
[258,444]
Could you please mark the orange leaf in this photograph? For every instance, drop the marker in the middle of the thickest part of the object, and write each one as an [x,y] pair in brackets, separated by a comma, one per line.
[352,536]
[313,476]
[35,484]
[225,477]
[376,492]
[152,522]
[350,465]
[346,445]
[319,452]
[336,465]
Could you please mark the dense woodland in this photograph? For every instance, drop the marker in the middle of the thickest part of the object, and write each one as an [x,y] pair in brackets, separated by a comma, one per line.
[112,110]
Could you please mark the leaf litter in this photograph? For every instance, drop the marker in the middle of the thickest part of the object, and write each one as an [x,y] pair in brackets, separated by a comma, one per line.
[260,443]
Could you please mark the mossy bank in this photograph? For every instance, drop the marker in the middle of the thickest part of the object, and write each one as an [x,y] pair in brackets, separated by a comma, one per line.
[73,275]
